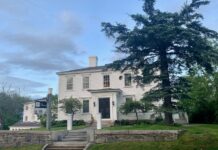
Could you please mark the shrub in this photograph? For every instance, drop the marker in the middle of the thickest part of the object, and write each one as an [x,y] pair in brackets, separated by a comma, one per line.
[63,123]
[131,122]
[159,120]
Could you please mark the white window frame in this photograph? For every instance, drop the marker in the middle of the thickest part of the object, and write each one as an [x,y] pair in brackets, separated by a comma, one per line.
[69,85]
[126,77]
[106,81]
[86,82]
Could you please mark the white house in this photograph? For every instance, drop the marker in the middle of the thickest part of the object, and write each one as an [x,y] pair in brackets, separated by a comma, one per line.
[100,91]
[32,110]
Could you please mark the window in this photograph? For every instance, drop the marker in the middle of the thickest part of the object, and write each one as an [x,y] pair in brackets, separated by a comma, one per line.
[129,99]
[85,106]
[128,79]
[106,81]
[37,104]
[69,83]
[85,82]
[26,107]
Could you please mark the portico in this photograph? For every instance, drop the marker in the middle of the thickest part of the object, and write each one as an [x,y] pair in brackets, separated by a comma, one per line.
[105,102]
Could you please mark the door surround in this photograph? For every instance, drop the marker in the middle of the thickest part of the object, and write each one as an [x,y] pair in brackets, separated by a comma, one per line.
[104,107]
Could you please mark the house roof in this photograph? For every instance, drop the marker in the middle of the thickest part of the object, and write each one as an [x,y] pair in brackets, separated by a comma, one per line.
[87,70]
[26,124]
[41,99]
[33,101]
[104,90]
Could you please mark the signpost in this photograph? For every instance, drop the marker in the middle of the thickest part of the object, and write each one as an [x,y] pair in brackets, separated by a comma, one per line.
[48,120]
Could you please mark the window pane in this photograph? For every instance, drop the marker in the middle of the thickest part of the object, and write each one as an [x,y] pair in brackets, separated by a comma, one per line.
[129,99]
[128,80]
[70,84]
[85,106]
[85,82]
[106,81]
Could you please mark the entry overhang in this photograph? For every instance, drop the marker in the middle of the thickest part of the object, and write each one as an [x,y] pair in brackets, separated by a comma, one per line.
[105,90]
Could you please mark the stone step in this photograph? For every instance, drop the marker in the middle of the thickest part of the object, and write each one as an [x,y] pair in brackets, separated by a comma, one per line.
[71,134]
[74,132]
[70,143]
[76,136]
[75,139]
[65,147]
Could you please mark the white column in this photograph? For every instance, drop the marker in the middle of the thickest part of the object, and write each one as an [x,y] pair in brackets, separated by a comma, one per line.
[98,117]
[69,122]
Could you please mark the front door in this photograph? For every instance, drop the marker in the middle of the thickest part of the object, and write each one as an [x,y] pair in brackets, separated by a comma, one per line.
[104,107]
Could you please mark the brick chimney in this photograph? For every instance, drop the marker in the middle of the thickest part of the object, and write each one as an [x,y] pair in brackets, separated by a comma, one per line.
[93,61]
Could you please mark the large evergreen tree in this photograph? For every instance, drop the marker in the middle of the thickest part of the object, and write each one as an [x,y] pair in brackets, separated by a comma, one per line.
[162,46]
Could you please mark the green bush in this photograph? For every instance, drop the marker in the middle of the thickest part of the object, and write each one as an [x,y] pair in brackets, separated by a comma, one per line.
[131,122]
[62,123]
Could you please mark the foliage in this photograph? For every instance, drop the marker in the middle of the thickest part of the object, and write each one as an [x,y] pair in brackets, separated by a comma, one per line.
[11,108]
[54,111]
[162,46]
[63,123]
[135,107]
[71,105]
[54,106]
[202,101]
[42,119]
[131,122]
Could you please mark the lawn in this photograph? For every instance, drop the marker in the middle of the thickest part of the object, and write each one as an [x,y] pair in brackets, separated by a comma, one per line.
[59,128]
[197,137]
[144,127]
[31,147]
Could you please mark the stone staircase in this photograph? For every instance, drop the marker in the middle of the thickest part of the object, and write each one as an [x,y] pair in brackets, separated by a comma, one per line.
[74,140]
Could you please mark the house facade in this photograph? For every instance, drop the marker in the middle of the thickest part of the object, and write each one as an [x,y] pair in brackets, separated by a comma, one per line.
[32,110]
[100,91]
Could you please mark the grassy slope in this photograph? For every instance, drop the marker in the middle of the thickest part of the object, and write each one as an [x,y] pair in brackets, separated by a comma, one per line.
[197,137]
[144,127]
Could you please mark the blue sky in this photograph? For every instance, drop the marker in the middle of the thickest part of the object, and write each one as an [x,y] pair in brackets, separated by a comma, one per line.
[41,37]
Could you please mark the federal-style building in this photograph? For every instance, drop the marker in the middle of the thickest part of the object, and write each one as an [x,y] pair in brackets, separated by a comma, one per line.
[101,90]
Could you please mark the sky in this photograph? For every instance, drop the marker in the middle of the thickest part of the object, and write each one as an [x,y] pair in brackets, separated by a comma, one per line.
[41,37]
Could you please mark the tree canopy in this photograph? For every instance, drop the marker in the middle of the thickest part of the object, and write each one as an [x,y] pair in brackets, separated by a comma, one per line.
[201,102]
[71,105]
[11,109]
[162,46]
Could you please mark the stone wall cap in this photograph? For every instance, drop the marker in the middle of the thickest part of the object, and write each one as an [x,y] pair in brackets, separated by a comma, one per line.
[137,131]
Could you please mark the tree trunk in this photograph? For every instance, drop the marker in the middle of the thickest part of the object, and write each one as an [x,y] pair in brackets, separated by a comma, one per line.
[137,117]
[166,86]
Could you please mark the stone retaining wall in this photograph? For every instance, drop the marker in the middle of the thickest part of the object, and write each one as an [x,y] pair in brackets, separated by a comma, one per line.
[19,138]
[103,136]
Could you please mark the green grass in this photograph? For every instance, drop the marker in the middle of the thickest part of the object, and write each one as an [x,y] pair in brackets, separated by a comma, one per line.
[31,147]
[59,128]
[144,127]
[197,137]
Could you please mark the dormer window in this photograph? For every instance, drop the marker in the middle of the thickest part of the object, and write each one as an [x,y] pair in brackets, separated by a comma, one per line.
[85,82]
[106,79]
[69,83]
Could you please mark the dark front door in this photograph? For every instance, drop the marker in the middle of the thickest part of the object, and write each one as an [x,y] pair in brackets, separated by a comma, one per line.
[104,107]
